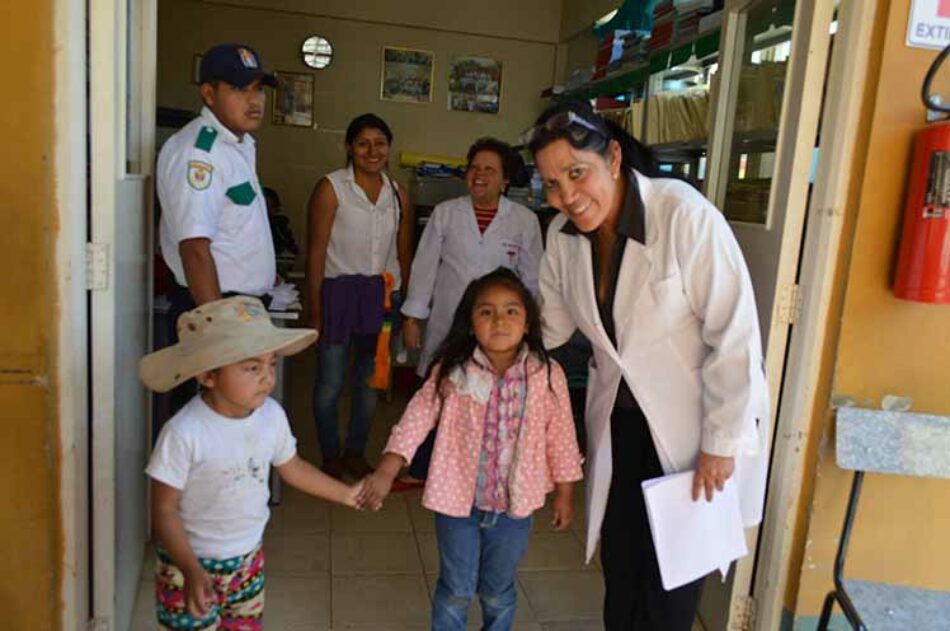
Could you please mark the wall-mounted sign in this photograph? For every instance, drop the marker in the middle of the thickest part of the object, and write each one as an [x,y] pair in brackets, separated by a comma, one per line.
[929,24]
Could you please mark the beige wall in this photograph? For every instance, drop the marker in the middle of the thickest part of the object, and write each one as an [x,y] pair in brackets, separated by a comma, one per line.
[886,346]
[578,45]
[29,461]
[291,159]
[579,15]
[532,20]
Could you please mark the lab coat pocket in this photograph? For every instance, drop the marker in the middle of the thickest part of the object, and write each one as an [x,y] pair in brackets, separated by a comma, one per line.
[510,252]
[663,309]
[689,347]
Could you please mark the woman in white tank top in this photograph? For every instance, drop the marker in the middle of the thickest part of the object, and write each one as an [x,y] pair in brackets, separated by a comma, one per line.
[360,227]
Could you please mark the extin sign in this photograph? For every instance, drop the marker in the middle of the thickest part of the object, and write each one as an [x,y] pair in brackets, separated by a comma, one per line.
[929,24]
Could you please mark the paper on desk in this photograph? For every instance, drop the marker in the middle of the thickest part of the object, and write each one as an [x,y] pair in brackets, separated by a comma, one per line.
[283,297]
[692,538]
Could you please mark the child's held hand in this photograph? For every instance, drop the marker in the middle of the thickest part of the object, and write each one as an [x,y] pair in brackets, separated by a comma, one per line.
[352,495]
[376,487]
[563,508]
[199,592]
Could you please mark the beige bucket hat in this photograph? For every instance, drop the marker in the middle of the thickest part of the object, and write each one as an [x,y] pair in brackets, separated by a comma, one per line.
[217,334]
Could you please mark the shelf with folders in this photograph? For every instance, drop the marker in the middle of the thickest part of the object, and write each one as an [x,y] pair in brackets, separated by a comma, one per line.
[756,111]
[627,79]
[677,120]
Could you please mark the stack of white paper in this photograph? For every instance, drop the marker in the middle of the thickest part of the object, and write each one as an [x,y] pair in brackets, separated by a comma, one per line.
[692,538]
[283,297]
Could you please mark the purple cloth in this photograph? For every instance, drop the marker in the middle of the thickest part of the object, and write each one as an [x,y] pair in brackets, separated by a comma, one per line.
[352,305]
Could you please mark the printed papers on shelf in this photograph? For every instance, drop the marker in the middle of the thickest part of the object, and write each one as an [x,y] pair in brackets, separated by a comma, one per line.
[710,22]
[678,116]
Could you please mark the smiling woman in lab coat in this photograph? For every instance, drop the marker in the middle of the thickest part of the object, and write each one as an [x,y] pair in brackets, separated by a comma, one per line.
[464,239]
[650,272]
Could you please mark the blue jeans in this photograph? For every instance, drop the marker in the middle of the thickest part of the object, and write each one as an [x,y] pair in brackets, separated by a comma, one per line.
[478,554]
[333,360]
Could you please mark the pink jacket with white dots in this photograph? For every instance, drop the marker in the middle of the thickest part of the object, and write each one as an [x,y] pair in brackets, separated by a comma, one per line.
[545,453]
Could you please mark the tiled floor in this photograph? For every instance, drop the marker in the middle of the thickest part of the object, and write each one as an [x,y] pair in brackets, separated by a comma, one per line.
[333,568]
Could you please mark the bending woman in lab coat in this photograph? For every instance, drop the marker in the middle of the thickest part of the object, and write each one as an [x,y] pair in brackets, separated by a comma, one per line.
[650,272]
[464,239]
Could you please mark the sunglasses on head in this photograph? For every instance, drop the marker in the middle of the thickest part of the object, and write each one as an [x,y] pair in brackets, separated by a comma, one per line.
[567,120]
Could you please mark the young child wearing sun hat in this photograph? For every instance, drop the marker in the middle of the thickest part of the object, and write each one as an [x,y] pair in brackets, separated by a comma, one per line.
[209,469]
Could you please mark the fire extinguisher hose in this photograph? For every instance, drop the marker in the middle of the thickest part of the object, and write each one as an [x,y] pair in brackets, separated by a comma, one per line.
[929,103]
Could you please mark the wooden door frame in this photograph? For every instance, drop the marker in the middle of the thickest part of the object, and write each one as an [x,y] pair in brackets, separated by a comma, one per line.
[822,244]
[797,130]
[108,39]
[72,368]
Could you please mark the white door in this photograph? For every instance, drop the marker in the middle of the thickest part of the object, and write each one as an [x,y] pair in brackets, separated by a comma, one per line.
[121,95]
[764,137]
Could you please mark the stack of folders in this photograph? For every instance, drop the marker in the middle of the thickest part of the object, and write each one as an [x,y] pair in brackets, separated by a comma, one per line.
[693,539]
[678,116]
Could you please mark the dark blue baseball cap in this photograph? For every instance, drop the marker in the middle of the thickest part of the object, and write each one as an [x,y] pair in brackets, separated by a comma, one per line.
[237,64]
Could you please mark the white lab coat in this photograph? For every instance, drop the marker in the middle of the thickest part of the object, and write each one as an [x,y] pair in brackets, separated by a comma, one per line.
[452,253]
[688,342]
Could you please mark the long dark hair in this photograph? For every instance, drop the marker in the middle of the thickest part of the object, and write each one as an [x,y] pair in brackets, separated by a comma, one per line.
[634,154]
[361,122]
[460,343]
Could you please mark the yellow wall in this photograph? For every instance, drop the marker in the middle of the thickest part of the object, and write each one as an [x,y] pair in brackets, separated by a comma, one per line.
[291,159]
[29,529]
[885,346]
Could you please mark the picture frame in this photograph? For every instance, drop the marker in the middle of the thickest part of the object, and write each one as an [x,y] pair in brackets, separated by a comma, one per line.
[406,75]
[196,68]
[474,84]
[293,99]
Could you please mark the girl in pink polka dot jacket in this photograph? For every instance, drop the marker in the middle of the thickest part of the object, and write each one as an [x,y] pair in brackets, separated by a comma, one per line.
[505,439]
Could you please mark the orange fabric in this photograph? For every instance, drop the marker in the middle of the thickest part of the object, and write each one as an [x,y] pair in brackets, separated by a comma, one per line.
[382,372]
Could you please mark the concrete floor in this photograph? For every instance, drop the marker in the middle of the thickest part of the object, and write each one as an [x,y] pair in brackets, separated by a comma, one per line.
[331,568]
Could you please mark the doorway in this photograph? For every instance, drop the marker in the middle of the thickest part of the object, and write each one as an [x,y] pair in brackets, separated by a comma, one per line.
[122,55]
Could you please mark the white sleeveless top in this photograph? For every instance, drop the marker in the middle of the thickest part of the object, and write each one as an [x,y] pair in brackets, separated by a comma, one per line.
[363,236]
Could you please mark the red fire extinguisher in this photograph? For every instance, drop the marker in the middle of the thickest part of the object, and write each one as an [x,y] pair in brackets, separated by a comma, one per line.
[923,265]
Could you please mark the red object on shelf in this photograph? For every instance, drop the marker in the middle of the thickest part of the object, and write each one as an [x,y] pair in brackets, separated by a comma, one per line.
[604,52]
[923,265]
[609,103]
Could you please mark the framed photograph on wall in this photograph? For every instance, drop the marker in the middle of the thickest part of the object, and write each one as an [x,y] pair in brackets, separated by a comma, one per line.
[196,69]
[293,103]
[406,75]
[475,84]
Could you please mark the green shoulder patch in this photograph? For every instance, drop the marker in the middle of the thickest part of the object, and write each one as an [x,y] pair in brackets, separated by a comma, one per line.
[206,138]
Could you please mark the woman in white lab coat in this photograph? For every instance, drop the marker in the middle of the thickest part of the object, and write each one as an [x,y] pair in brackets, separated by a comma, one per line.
[464,239]
[651,274]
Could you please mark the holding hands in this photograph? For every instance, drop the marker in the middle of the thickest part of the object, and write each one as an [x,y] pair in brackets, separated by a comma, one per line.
[377,485]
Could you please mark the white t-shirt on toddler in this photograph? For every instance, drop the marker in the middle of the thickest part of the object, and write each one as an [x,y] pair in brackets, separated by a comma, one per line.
[221,466]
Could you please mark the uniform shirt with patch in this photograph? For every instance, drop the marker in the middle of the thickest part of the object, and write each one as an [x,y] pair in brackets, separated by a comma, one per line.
[221,466]
[208,187]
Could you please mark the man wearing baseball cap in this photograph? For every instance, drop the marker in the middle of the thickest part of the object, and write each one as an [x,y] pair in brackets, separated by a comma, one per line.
[214,233]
